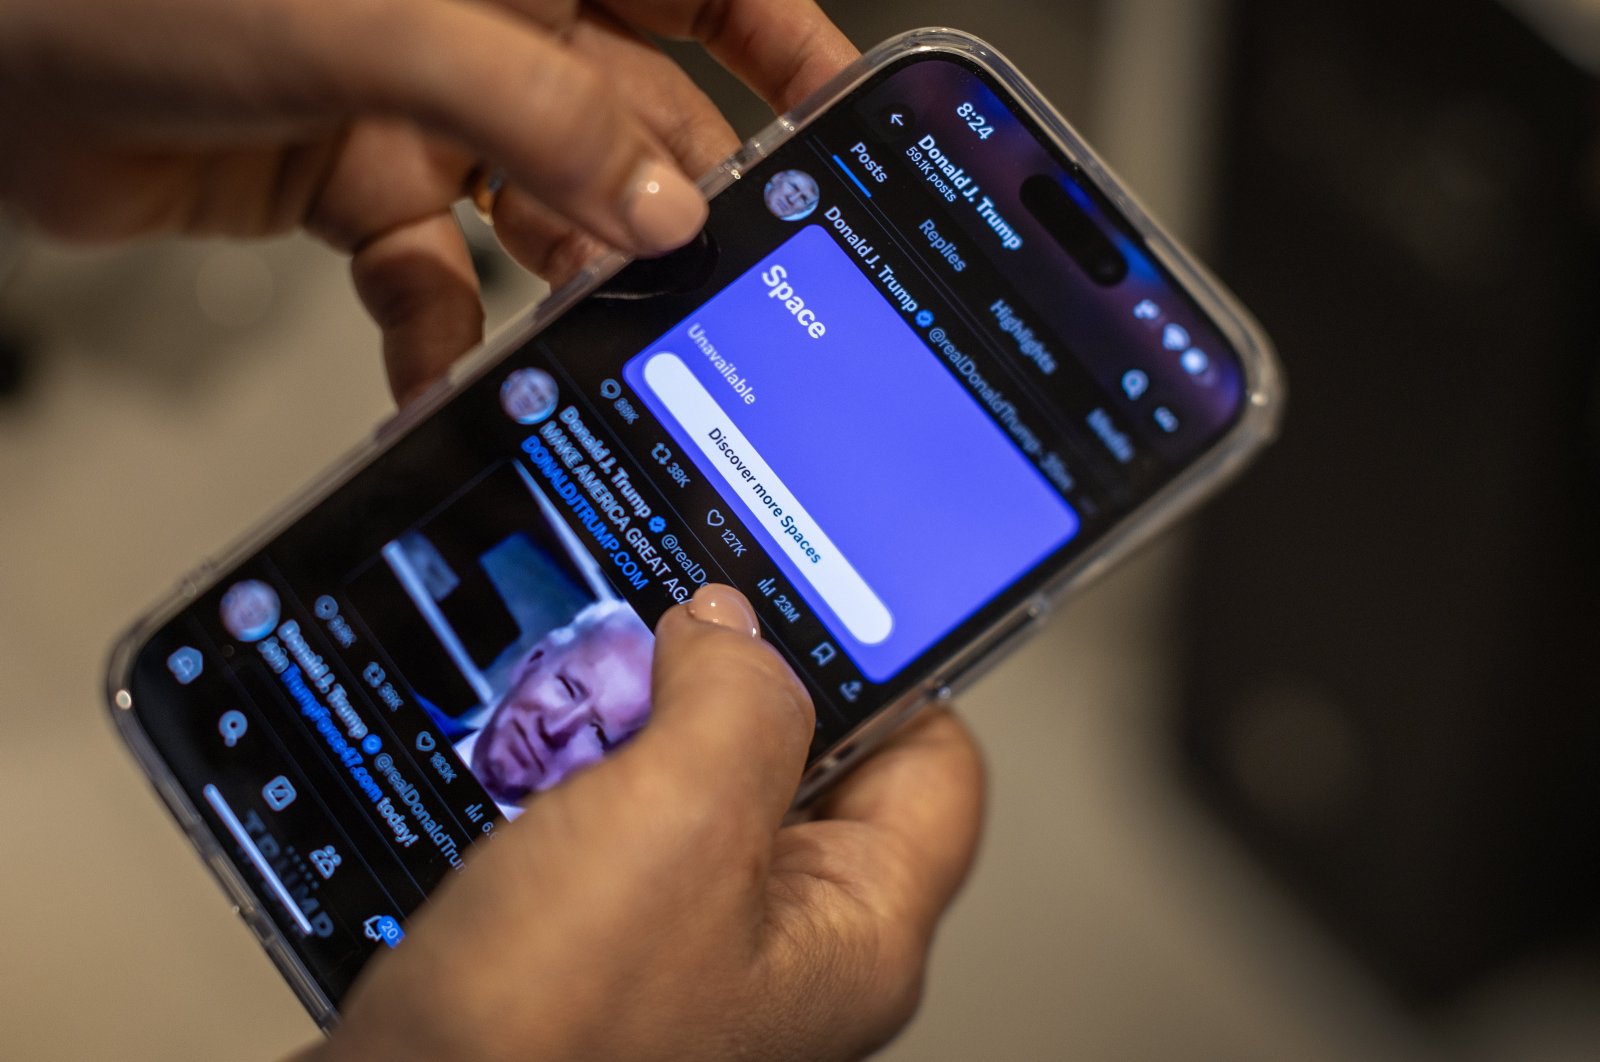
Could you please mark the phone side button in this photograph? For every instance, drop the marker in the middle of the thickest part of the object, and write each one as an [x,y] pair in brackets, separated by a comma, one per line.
[410,413]
[257,928]
[766,141]
[988,653]
[390,427]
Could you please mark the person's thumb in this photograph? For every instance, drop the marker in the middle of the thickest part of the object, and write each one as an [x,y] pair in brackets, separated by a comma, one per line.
[694,802]
[730,722]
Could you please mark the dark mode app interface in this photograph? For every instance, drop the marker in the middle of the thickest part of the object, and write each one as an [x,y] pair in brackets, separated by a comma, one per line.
[913,365]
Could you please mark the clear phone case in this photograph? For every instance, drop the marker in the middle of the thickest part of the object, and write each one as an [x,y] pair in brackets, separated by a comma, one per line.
[1264,391]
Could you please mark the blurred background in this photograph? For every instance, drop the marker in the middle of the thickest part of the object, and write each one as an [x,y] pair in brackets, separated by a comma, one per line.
[1314,778]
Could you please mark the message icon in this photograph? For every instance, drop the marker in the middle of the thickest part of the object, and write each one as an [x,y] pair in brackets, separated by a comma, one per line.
[385,929]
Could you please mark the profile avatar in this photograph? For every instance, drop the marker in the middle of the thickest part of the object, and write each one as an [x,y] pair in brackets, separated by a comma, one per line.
[579,692]
[528,395]
[249,610]
[792,195]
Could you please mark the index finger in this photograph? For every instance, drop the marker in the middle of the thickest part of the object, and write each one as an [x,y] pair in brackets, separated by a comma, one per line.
[494,82]
[783,49]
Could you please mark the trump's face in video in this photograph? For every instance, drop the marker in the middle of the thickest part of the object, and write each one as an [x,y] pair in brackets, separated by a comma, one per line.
[581,691]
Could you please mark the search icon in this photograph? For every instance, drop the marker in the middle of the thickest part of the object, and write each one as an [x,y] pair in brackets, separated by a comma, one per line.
[232,727]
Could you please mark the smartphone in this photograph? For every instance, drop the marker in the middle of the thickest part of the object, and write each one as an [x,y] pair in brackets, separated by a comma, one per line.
[928,367]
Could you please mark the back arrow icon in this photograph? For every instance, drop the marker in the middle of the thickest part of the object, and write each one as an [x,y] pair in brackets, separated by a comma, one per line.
[897,119]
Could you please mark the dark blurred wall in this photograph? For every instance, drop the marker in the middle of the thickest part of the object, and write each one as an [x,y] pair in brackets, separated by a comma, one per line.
[1392,673]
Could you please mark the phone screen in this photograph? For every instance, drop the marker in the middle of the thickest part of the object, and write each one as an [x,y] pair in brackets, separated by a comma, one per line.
[916,364]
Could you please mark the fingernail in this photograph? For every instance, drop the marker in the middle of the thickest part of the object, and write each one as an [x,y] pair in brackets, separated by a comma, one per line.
[726,607]
[664,209]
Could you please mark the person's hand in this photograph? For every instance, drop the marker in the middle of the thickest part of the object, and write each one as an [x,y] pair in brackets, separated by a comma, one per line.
[363,120]
[655,907]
